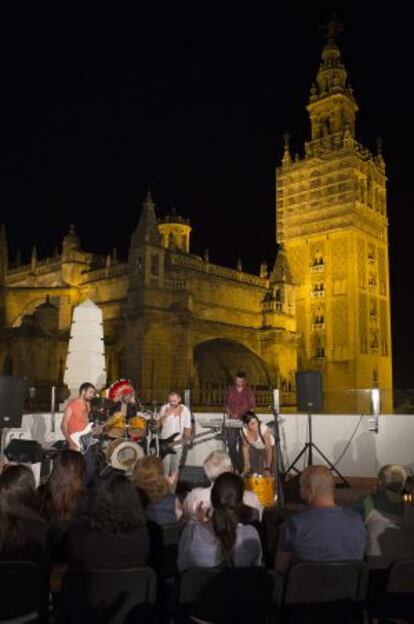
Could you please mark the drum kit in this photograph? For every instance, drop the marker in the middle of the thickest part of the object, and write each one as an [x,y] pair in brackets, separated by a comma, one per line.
[126,440]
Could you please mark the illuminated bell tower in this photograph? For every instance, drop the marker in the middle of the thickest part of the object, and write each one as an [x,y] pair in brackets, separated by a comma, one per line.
[332,221]
[175,232]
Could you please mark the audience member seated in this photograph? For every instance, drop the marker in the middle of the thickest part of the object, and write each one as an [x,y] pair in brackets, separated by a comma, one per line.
[325,532]
[117,536]
[388,520]
[214,465]
[23,533]
[63,498]
[219,539]
[160,502]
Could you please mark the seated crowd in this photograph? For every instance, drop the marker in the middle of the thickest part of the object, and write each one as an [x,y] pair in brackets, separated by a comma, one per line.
[107,525]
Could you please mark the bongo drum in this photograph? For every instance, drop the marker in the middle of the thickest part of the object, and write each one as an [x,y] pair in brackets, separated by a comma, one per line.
[264,486]
[124,454]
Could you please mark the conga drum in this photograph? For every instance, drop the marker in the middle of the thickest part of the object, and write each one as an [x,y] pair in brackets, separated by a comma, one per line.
[124,454]
[264,486]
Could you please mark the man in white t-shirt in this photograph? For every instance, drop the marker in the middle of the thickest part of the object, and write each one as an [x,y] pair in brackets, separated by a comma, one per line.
[214,465]
[174,418]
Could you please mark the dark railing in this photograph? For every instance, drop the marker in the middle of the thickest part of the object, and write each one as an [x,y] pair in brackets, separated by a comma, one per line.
[212,396]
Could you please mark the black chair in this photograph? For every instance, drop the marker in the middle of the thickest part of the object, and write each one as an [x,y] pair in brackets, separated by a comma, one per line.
[23,591]
[164,547]
[108,596]
[230,596]
[326,592]
[163,559]
[397,599]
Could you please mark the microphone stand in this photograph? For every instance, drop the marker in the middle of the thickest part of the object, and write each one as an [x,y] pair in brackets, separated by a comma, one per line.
[279,468]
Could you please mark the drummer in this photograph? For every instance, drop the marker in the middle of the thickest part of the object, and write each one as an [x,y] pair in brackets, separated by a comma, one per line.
[123,395]
[257,445]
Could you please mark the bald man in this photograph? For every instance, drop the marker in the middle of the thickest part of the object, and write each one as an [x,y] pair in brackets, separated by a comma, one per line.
[325,531]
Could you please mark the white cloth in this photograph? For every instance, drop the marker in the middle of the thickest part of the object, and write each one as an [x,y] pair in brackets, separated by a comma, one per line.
[258,444]
[174,424]
[203,495]
[390,538]
[199,547]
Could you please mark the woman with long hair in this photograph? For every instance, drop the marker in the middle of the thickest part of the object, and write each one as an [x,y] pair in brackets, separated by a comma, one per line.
[117,535]
[63,499]
[160,502]
[220,539]
[257,444]
[65,487]
[23,534]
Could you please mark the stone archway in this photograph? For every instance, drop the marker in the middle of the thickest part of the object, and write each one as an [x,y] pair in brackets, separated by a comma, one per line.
[217,361]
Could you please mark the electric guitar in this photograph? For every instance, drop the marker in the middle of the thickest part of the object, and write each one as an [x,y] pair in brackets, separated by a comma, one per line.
[167,445]
[86,438]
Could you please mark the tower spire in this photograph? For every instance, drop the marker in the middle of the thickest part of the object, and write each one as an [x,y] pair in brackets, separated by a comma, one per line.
[147,230]
[286,160]
[332,74]
[332,106]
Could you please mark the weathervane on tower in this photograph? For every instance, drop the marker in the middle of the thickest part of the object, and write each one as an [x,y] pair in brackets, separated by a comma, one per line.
[332,29]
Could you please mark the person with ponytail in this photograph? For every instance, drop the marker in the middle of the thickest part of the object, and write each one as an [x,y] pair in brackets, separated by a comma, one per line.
[219,539]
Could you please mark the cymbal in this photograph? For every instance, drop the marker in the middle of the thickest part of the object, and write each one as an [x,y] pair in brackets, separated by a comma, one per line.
[101,403]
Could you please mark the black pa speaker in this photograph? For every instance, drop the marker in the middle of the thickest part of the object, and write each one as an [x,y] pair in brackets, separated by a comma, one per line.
[12,394]
[24,451]
[309,392]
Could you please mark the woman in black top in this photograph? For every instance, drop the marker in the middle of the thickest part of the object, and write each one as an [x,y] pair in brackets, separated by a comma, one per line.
[23,534]
[117,535]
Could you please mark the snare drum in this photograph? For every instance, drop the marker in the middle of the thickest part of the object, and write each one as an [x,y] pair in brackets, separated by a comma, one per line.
[124,454]
[263,486]
[138,426]
[117,426]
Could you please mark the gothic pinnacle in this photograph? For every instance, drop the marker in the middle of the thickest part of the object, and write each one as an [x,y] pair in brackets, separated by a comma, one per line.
[286,154]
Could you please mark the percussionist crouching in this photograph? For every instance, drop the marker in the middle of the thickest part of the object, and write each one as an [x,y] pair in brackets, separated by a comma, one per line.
[258,445]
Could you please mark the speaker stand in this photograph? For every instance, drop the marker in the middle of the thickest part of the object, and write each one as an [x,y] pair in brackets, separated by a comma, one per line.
[309,447]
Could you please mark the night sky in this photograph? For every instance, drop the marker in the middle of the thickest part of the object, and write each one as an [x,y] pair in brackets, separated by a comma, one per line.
[194,98]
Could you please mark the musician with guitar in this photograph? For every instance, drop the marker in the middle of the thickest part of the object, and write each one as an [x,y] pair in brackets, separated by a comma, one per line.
[174,420]
[76,419]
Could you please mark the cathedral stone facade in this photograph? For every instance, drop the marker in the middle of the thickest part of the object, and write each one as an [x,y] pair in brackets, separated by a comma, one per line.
[173,319]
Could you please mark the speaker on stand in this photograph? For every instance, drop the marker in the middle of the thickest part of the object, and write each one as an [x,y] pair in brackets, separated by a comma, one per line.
[310,400]
[12,395]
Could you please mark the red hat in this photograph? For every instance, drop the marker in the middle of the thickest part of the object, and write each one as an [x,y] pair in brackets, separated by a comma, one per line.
[119,389]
